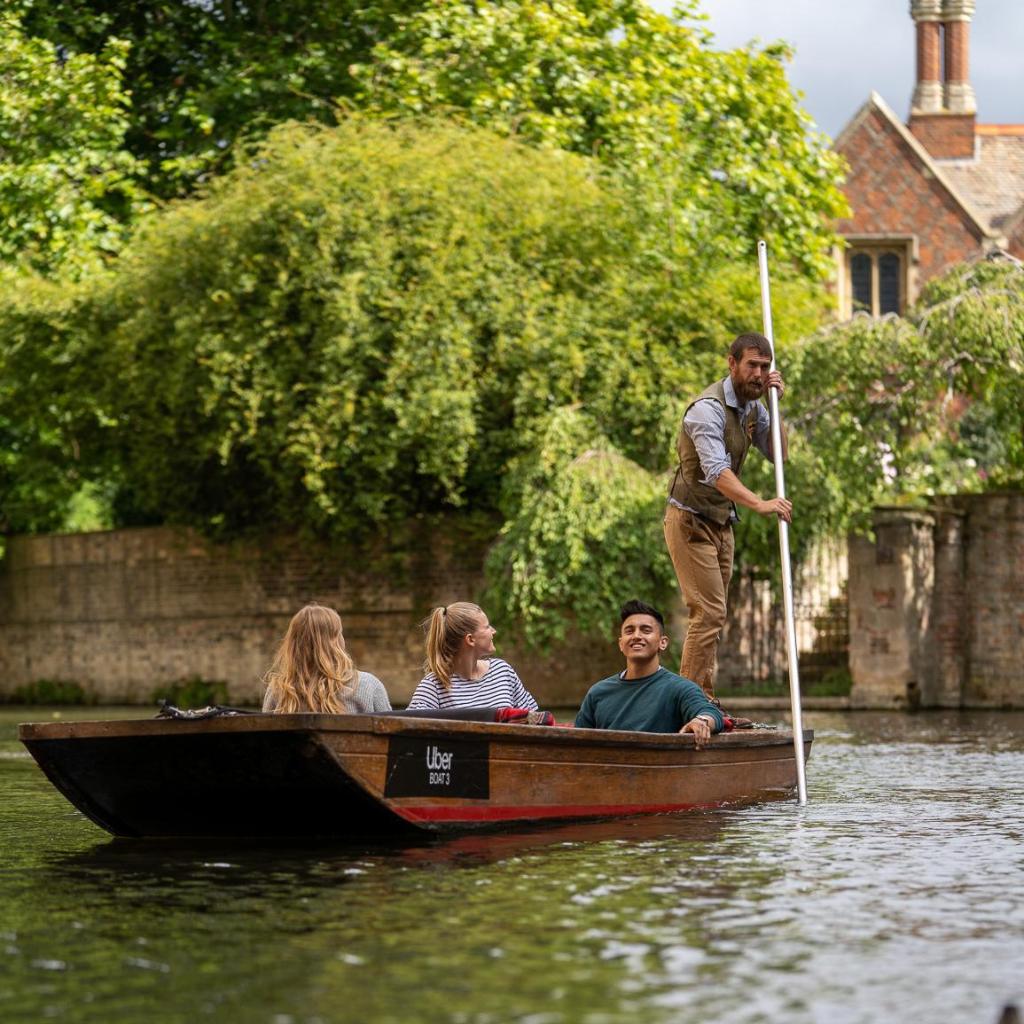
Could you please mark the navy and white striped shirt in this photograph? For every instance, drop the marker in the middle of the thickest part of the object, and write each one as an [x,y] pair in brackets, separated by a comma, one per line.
[500,687]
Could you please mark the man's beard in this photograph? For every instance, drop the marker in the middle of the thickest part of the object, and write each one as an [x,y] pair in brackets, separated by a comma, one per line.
[747,392]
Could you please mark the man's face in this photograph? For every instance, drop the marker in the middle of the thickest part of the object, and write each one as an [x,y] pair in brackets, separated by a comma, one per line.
[749,374]
[641,638]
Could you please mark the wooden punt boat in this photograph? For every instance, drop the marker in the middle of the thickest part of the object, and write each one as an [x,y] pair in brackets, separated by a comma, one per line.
[356,775]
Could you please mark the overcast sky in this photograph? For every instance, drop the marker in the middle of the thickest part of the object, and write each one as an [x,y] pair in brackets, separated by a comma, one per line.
[846,48]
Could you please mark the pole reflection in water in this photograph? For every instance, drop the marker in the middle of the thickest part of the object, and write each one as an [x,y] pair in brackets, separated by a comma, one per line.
[894,895]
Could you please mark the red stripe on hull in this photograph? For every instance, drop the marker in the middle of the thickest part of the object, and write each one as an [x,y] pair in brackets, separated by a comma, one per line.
[471,813]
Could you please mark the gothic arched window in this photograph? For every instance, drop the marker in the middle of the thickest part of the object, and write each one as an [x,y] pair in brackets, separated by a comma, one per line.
[876,279]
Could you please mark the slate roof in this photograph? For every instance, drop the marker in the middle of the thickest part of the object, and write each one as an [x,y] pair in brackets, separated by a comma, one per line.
[993,182]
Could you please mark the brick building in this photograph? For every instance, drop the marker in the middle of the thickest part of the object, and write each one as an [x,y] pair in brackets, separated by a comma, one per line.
[932,192]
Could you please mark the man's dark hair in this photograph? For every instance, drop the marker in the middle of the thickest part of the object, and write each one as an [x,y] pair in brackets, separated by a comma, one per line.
[639,608]
[751,340]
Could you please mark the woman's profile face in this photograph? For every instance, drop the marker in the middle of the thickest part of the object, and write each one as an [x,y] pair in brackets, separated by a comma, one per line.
[482,638]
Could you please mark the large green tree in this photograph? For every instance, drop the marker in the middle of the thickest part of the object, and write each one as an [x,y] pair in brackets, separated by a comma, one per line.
[360,326]
[68,188]
[205,74]
[716,138]
[354,327]
[357,326]
[719,135]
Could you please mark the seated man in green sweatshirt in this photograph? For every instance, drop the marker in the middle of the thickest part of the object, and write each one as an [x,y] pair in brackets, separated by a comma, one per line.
[646,697]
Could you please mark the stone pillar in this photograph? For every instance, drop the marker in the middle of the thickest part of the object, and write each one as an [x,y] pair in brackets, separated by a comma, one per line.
[994,597]
[945,685]
[891,585]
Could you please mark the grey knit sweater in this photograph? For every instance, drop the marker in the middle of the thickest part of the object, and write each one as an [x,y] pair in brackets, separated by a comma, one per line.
[369,696]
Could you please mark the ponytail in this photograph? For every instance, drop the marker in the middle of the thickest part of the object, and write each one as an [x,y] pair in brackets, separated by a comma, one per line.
[436,663]
[446,628]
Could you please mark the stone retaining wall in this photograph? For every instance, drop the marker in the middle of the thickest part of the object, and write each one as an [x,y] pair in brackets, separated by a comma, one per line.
[127,611]
[936,610]
[937,606]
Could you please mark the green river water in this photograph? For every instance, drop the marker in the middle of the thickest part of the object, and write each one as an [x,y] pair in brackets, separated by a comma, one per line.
[895,895]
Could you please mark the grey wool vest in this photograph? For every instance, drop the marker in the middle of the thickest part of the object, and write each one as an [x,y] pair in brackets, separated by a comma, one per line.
[687,488]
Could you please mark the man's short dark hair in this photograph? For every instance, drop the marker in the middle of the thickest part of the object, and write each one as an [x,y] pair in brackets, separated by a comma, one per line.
[751,340]
[639,608]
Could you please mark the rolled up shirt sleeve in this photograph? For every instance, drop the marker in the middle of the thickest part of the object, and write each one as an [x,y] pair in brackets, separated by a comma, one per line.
[763,432]
[705,425]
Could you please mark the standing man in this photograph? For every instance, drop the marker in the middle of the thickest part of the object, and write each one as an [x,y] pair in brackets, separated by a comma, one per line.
[718,429]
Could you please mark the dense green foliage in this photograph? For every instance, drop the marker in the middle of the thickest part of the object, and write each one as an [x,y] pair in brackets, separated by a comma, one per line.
[67,184]
[356,327]
[203,75]
[717,138]
[584,531]
[492,292]
[897,409]
[363,325]
[880,412]
[52,369]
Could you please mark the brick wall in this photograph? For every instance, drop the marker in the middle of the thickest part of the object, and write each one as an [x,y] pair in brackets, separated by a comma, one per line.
[946,136]
[889,579]
[891,193]
[947,632]
[125,611]
[994,599]
[937,606]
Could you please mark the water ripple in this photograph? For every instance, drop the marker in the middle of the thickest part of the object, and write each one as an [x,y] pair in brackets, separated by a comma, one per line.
[893,895]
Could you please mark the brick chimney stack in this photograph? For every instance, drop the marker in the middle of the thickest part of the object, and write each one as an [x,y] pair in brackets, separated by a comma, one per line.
[927,15]
[943,106]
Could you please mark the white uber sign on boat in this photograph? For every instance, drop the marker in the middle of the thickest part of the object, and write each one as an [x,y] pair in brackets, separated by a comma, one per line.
[438,767]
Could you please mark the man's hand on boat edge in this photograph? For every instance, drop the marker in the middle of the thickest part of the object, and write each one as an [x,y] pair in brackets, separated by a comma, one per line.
[701,727]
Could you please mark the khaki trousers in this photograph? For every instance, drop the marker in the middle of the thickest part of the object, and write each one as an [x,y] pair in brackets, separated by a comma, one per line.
[701,552]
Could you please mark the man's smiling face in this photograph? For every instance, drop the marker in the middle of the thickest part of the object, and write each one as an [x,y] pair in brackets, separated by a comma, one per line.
[641,638]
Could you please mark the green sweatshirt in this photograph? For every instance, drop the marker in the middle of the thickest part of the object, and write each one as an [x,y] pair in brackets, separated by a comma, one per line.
[662,702]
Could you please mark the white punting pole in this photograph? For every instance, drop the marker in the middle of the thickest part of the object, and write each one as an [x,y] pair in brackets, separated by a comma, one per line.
[787,570]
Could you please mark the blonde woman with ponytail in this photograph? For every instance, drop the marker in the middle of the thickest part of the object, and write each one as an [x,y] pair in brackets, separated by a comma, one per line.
[463,671]
[312,671]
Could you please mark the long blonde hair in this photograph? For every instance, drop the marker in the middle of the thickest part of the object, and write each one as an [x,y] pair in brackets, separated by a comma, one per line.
[446,629]
[312,671]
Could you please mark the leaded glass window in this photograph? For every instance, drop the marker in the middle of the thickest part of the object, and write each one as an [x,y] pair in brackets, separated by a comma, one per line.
[860,281]
[877,279]
[889,283]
